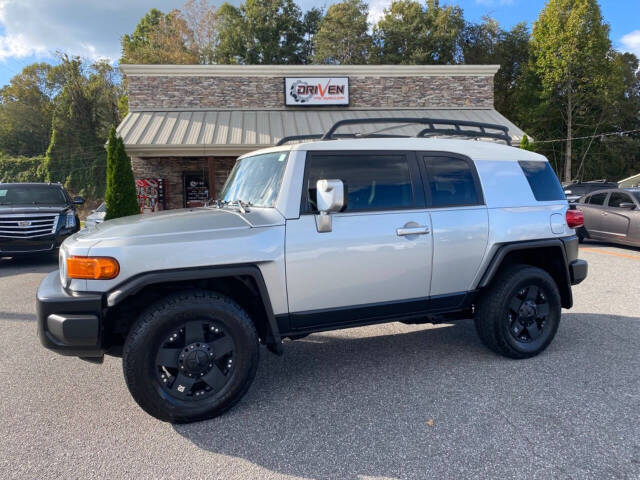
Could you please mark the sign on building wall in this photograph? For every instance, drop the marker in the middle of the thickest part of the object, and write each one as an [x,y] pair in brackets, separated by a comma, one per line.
[316,91]
[151,194]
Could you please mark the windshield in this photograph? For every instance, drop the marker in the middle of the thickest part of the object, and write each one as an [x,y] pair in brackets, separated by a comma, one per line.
[255,180]
[31,194]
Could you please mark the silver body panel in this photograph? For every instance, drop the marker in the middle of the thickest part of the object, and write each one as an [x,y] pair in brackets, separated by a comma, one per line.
[364,259]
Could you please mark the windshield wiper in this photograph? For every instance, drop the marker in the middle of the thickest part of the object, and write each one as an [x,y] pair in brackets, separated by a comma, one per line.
[242,206]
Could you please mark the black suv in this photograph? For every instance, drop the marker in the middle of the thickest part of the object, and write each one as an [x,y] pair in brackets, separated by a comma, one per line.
[575,190]
[35,217]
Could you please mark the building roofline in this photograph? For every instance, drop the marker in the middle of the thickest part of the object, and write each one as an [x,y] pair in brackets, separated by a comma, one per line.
[308,70]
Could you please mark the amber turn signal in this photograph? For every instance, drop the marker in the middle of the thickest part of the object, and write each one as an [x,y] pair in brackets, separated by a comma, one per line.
[92,268]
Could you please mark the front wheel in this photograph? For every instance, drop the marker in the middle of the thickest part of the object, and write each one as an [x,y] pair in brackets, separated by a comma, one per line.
[518,316]
[190,356]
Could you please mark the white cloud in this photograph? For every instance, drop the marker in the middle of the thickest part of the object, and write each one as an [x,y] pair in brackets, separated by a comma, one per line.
[376,10]
[88,28]
[631,42]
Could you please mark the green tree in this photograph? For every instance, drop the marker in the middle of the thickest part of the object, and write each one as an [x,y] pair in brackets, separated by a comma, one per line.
[399,34]
[21,169]
[260,32]
[231,45]
[488,43]
[26,105]
[570,46]
[310,26]
[160,38]
[525,144]
[343,36]
[409,33]
[85,106]
[121,197]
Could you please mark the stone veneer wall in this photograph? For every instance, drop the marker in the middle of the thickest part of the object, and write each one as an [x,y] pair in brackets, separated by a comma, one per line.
[186,92]
[172,168]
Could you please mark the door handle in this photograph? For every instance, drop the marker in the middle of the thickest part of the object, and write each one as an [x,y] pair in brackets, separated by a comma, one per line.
[421,230]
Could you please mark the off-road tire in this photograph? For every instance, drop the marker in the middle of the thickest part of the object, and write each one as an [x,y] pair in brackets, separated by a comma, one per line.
[493,314]
[146,338]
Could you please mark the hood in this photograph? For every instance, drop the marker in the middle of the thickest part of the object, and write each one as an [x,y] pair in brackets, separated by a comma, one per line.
[182,221]
[28,208]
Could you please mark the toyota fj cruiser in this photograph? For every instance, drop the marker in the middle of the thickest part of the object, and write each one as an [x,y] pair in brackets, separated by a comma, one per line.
[315,236]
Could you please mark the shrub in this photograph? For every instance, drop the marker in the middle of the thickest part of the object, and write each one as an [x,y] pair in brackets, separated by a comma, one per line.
[22,169]
[121,196]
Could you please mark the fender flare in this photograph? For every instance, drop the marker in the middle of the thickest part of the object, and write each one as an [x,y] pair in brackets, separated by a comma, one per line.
[505,249]
[134,284]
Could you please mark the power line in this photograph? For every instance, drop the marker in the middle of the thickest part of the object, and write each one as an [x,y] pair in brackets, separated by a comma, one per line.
[608,134]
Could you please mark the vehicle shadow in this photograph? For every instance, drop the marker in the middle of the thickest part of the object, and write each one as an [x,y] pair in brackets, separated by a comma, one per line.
[28,264]
[406,405]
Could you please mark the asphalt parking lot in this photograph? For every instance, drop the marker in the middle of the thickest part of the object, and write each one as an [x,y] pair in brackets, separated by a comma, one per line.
[380,402]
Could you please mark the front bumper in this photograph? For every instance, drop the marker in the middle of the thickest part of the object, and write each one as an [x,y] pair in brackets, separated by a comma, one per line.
[69,324]
[14,247]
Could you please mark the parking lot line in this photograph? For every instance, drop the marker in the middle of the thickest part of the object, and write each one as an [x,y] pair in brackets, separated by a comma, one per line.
[606,252]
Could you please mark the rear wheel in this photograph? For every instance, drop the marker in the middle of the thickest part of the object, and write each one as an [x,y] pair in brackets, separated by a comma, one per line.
[519,315]
[190,356]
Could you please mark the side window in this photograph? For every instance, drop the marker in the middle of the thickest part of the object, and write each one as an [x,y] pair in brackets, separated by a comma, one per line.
[451,182]
[543,181]
[371,181]
[617,198]
[597,198]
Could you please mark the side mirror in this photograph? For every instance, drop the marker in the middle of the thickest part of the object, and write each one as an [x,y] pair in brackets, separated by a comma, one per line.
[627,205]
[330,198]
[78,200]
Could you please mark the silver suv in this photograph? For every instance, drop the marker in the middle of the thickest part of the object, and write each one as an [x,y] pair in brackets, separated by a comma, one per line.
[318,236]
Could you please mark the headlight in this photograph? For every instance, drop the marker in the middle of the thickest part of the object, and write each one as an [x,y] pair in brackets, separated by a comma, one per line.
[71,219]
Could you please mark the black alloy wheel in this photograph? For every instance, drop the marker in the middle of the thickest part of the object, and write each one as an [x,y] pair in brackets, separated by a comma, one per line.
[528,312]
[518,315]
[196,360]
[190,356]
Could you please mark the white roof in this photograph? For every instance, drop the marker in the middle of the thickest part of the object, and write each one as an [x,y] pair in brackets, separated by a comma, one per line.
[474,149]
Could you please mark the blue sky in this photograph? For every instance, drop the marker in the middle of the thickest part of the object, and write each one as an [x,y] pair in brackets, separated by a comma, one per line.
[32,30]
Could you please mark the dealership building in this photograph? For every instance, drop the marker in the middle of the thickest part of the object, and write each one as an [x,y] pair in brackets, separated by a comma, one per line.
[188,123]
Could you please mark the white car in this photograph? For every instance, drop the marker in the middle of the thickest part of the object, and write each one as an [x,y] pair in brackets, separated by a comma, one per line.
[96,216]
[318,236]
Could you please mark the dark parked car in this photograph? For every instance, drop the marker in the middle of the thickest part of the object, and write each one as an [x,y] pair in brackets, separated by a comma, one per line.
[35,217]
[574,191]
[612,216]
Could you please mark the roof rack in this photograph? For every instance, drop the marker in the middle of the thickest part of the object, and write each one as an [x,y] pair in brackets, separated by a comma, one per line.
[434,126]
[320,136]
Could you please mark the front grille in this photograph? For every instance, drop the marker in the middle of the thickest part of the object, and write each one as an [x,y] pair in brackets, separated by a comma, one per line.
[28,225]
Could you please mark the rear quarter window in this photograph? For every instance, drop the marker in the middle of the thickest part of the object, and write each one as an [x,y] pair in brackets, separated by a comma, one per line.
[543,181]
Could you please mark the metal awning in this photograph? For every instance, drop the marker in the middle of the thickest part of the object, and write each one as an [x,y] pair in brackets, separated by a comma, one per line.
[234,132]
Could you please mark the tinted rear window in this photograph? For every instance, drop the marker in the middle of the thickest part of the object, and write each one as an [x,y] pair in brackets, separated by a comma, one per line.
[543,181]
[597,198]
[451,182]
